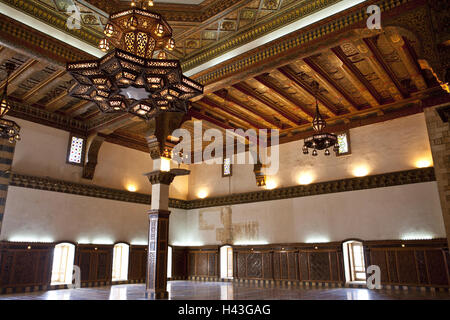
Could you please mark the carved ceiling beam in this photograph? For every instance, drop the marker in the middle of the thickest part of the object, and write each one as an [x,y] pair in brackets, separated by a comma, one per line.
[226,110]
[7,54]
[50,89]
[328,82]
[259,99]
[202,116]
[18,71]
[24,75]
[284,96]
[94,142]
[43,85]
[370,52]
[356,77]
[404,51]
[110,124]
[53,104]
[363,118]
[92,115]
[41,116]
[128,141]
[40,46]
[236,102]
[79,108]
[303,86]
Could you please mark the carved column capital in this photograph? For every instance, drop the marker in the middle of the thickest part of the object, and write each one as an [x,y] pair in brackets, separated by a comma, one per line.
[165,177]
[159,131]
[158,213]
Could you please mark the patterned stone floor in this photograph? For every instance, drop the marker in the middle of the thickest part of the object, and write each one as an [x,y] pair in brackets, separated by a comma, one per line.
[192,290]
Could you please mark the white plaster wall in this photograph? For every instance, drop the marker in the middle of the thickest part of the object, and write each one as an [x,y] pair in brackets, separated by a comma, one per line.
[37,215]
[43,150]
[399,212]
[388,146]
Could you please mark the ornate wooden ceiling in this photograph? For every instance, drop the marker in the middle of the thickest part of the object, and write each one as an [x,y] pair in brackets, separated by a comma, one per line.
[364,76]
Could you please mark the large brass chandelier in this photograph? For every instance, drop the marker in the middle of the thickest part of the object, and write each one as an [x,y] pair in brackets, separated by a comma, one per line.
[130,78]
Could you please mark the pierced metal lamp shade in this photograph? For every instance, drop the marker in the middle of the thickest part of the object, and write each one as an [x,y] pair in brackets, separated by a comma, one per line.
[9,130]
[318,122]
[4,104]
[129,79]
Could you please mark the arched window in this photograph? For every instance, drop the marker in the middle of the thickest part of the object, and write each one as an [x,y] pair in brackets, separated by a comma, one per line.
[226,262]
[169,262]
[63,257]
[120,262]
[355,269]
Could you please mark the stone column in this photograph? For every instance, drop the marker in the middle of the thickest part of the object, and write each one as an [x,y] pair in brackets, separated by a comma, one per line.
[439,135]
[6,157]
[160,145]
[158,235]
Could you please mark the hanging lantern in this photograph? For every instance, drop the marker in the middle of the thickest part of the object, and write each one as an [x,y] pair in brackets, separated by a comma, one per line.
[4,101]
[150,3]
[320,140]
[170,44]
[104,45]
[4,104]
[109,30]
[132,23]
[318,122]
[162,55]
[159,31]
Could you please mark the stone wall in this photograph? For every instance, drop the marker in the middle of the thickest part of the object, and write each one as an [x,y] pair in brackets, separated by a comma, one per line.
[439,137]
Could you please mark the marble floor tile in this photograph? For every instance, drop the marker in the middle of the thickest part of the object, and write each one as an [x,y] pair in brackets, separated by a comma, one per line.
[192,290]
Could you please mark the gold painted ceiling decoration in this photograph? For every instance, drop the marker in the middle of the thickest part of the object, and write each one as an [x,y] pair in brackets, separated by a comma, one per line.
[128,79]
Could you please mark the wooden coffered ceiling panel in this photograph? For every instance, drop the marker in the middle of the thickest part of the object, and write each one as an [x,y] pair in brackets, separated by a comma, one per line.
[357,78]
[39,84]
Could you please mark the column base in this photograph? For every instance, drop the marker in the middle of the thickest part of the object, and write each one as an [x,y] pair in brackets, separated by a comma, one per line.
[157,295]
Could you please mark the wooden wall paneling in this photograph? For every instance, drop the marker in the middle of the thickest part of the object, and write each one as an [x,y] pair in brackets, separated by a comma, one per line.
[412,262]
[254,265]
[203,261]
[276,265]
[191,262]
[437,267]
[267,265]
[202,264]
[241,265]
[212,264]
[24,265]
[284,268]
[137,263]
[319,265]
[334,266]
[179,263]
[421,267]
[406,266]
[303,264]
[95,262]
[292,265]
